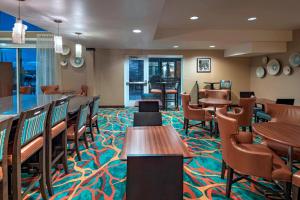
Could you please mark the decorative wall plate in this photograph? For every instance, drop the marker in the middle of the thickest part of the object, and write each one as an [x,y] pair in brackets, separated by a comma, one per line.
[66,50]
[295,60]
[64,62]
[273,67]
[287,70]
[265,60]
[77,62]
[260,72]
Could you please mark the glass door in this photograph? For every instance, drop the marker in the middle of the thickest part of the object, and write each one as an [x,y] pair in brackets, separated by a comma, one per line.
[136,79]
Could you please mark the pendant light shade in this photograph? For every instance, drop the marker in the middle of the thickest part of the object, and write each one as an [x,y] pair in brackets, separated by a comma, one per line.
[58,41]
[78,47]
[19,29]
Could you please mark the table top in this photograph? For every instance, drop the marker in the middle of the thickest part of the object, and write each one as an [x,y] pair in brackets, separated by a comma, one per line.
[283,133]
[214,101]
[14,105]
[212,82]
[263,101]
[153,140]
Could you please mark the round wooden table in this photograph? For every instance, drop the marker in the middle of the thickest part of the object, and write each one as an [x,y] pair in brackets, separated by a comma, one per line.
[214,102]
[283,133]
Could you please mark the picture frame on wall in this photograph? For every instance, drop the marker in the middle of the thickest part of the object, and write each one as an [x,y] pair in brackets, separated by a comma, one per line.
[203,65]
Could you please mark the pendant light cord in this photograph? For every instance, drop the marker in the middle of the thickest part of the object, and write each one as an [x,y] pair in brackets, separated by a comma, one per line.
[19,11]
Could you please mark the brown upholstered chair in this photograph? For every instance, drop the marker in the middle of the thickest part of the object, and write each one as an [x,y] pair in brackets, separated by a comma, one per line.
[77,130]
[50,89]
[93,116]
[218,94]
[287,114]
[248,159]
[296,184]
[194,114]
[84,90]
[244,113]
[29,140]
[25,90]
[5,127]
[56,138]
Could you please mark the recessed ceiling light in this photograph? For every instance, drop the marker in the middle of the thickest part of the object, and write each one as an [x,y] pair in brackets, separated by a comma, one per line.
[212,46]
[194,18]
[136,30]
[252,19]
[175,46]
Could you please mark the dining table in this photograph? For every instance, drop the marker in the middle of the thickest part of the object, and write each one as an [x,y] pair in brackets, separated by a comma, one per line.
[212,84]
[282,133]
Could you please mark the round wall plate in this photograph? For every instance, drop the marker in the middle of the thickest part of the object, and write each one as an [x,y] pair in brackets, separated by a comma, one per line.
[294,60]
[273,67]
[265,60]
[260,72]
[66,50]
[77,62]
[64,62]
[287,70]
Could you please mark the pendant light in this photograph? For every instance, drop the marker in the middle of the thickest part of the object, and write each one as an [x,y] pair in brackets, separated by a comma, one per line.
[78,47]
[58,42]
[19,29]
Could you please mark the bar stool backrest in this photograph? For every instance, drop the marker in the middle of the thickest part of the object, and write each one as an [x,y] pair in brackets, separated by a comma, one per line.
[95,106]
[5,127]
[59,111]
[82,117]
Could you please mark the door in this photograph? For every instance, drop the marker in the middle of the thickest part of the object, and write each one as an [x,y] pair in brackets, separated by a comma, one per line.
[136,79]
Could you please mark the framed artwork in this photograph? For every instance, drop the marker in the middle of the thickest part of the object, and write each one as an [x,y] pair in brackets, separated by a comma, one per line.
[203,65]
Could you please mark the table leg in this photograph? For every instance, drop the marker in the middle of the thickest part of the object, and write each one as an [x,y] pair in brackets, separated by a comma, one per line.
[290,158]
[164,106]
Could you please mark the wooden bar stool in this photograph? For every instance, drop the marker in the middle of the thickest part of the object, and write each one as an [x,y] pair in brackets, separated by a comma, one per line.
[75,131]
[174,93]
[93,116]
[5,127]
[56,138]
[29,140]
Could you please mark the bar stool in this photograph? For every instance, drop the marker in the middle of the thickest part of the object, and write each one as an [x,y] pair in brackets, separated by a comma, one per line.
[56,134]
[75,131]
[5,127]
[29,140]
[174,93]
[93,116]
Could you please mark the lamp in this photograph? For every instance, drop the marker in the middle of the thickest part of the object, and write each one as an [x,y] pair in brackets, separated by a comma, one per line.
[78,47]
[58,42]
[19,29]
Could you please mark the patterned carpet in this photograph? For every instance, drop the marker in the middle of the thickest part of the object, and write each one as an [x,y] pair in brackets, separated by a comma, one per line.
[101,175]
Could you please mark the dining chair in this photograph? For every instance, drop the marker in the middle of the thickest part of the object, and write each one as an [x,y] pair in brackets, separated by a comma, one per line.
[149,106]
[50,89]
[249,159]
[150,177]
[172,91]
[147,119]
[25,89]
[197,114]
[83,90]
[217,94]
[29,142]
[56,139]
[93,116]
[195,96]
[78,130]
[5,127]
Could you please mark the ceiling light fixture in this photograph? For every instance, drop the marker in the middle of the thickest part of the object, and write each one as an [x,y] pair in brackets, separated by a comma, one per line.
[175,46]
[78,47]
[136,31]
[19,29]
[58,41]
[212,46]
[194,18]
[250,19]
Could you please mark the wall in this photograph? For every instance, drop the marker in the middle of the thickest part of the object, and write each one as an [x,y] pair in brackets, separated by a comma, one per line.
[109,71]
[279,86]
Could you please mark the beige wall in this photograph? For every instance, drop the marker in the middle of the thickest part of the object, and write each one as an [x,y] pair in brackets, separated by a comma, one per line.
[109,71]
[279,86]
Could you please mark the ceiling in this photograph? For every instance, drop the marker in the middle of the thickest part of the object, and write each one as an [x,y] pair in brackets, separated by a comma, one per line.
[165,23]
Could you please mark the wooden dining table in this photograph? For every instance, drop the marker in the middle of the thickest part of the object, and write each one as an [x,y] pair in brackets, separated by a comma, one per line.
[283,133]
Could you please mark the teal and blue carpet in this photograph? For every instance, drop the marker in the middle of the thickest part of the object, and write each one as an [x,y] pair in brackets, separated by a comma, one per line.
[101,174]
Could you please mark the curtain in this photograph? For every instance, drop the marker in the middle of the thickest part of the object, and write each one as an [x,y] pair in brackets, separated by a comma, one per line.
[46,62]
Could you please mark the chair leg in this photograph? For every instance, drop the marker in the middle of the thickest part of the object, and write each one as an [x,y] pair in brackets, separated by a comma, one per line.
[176,101]
[48,166]
[229,181]
[223,169]
[85,140]
[184,123]
[296,193]
[65,156]
[96,123]
[187,126]
[77,149]
[250,129]
[42,172]
[16,179]
[211,128]
[91,131]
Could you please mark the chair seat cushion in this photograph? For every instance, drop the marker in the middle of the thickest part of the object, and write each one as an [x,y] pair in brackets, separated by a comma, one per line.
[263,115]
[28,150]
[57,129]
[171,91]
[156,91]
[71,132]
[296,179]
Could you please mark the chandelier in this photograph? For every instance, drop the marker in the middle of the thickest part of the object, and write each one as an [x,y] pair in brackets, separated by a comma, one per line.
[58,42]
[78,47]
